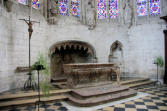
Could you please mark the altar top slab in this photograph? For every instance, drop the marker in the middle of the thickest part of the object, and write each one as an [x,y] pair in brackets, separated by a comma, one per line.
[82,64]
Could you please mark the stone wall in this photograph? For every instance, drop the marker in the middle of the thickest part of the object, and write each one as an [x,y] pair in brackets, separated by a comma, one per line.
[142,39]
[14,43]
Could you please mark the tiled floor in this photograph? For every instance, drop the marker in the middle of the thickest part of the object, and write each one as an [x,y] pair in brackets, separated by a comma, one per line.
[157,101]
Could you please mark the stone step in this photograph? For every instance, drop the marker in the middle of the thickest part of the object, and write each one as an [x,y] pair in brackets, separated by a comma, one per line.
[98,91]
[140,84]
[93,84]
[30,101]
[102,99]
[133,81]
[60,79]
[59,83]
[30,94]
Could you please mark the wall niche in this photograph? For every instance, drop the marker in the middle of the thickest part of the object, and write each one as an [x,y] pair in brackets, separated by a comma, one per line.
[116,53]
[69,52]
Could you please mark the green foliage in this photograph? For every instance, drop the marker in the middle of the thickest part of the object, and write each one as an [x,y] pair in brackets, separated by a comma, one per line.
[159,60]
[41,60]
[45,86]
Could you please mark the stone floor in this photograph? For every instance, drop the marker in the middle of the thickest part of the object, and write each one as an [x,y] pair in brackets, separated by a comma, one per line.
[157,101]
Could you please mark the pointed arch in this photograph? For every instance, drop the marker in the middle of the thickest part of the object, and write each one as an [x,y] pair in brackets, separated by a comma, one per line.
[116,46]
[69,51]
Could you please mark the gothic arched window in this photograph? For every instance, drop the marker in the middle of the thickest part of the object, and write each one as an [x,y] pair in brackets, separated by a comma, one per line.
[142,7]
[75,7]
[63,7]
[24,2]
[35,4]
[113,9]
[154,7]
[101,9]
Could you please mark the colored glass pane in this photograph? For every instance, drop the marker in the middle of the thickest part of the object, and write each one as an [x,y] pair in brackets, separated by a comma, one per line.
[101,9]
[141,7]
[75,7]
[154,7]
[113,9]
[35,4]
[23,1]
[63,7]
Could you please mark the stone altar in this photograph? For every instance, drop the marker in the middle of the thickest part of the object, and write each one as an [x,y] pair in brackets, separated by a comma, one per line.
[93,72]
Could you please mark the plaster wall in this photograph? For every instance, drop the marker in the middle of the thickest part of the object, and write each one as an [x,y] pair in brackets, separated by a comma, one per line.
[141,43]
[14,44]
[142,37]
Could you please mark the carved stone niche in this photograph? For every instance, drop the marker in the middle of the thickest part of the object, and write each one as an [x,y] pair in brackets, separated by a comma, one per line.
[53,8]
[116,53]
[7,4]
[70,51]
[91,15]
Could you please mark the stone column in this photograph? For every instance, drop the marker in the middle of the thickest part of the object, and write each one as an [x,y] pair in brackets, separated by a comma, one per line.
[165,43]
[165,40]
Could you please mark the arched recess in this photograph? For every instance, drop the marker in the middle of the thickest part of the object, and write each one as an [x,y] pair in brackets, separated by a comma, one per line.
[70,51]
[116,53]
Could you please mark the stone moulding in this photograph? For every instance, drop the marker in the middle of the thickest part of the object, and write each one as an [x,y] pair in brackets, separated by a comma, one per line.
[22,69]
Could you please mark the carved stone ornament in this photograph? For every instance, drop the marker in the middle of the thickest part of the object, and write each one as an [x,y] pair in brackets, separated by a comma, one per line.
[91,13]
[53,7]
[7,4]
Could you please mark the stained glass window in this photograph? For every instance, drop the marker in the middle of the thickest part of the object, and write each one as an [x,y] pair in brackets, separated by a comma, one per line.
[113,9]
[141,7]
[35,3]
[154,7]
[101,9]
[63,7]
[75,7]
[23,1]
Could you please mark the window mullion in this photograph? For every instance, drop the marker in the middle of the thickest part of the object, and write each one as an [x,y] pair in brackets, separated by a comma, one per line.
[69,7]
[107,9]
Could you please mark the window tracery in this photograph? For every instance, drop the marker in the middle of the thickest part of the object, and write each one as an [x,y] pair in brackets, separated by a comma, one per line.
[63,7]
[113,9]
[36,4]
[154,7]
[75,8]
[101,9]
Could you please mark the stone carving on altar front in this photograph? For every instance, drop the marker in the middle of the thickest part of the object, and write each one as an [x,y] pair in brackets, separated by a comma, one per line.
[91,15]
